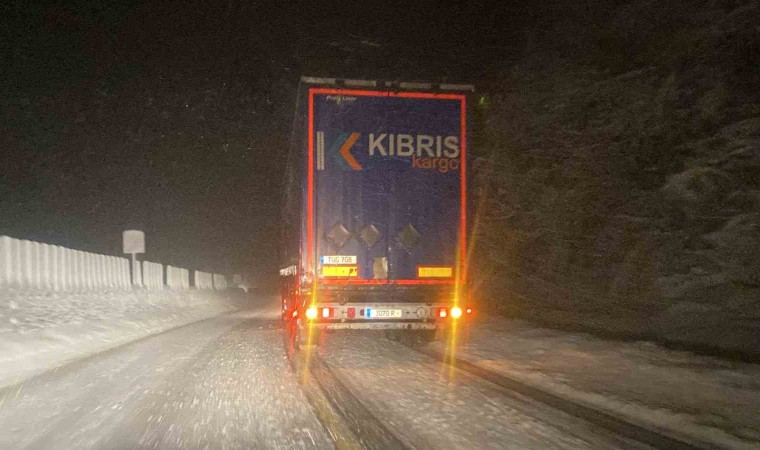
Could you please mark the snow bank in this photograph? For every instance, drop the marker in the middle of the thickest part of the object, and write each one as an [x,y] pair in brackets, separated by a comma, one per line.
[709,399]
[40,330]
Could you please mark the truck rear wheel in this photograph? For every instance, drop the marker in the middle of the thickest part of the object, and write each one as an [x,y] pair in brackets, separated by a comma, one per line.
[303,340]
[296,338]
[291,338]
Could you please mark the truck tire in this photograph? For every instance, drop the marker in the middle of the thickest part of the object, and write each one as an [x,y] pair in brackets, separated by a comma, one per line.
[296,339]
[290,339]
[304,341]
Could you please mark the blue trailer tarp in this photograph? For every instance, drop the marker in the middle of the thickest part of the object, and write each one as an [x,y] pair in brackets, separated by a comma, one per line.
[386,187]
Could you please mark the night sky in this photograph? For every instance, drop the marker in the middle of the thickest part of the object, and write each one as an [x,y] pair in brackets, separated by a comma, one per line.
[174,117]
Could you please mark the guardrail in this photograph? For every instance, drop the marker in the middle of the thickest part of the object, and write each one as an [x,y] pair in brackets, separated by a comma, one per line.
[203,280]
[153,275]
[220,282]
[177,278]
[35,265]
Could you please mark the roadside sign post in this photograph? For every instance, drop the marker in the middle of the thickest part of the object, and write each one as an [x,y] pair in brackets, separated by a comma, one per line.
[134,243]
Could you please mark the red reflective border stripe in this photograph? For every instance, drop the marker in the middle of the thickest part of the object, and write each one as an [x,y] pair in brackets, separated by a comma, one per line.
[463,198]
[310,188]
[361,93]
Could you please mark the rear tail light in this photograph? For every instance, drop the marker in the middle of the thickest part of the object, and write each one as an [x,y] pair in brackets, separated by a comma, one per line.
[351,312]
[455,312]
[295,313]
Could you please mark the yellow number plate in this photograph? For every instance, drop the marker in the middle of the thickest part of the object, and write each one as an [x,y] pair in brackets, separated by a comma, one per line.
[340,271]
[434,272]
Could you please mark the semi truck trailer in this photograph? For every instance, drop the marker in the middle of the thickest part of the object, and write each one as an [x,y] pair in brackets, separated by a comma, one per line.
[374,226]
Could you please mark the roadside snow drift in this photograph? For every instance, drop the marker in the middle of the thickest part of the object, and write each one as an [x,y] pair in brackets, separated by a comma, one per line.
[40,330]
[709,399]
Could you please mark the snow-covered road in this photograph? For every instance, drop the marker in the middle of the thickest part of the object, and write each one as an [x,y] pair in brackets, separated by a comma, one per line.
[226,382]
[219,383]
[706,399]
[428,405]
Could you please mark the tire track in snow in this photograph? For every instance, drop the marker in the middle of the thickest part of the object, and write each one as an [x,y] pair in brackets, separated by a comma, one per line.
[348,421]
[654,438]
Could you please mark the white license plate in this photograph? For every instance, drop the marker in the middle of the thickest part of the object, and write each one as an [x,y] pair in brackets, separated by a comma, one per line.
[384,313]
[338,259]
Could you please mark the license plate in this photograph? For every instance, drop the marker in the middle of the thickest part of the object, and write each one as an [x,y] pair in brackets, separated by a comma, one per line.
[338,259]
[384,313]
